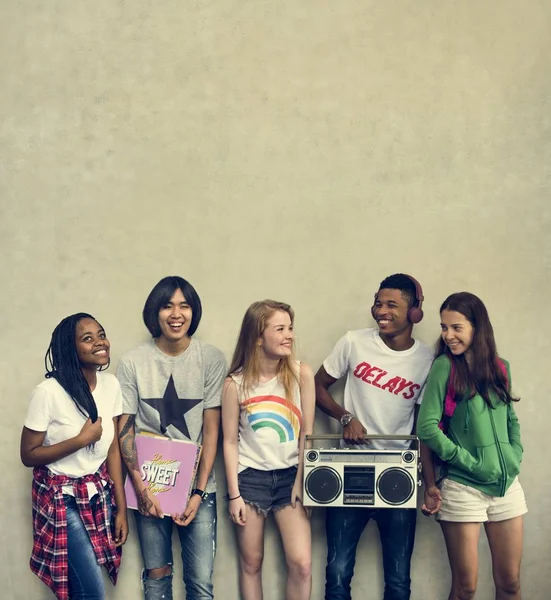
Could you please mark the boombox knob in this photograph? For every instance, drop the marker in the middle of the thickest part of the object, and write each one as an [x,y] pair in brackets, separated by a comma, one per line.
[312,456]
[408,457]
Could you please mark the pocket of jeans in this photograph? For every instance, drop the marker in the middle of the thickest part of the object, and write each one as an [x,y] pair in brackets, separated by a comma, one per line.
[245,471]
[293,471]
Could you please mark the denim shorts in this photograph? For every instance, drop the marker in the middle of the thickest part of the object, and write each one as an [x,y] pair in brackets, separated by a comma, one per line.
[267,490]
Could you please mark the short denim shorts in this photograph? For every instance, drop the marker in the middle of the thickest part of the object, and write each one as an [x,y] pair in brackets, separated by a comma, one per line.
[267,490]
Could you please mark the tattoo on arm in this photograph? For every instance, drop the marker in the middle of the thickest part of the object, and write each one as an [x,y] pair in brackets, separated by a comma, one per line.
[127,426]
[128,444]
[144,502]
[129,453]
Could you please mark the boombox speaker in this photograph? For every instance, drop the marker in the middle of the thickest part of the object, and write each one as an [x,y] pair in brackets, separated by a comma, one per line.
[359,477]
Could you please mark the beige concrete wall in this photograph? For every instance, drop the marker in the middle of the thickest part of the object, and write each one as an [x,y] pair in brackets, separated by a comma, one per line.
[297,150]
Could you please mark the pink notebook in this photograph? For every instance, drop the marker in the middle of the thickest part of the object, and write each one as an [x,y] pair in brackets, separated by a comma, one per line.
[168,467]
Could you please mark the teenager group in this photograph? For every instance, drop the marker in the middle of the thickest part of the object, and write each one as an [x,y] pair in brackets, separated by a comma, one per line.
[82,422]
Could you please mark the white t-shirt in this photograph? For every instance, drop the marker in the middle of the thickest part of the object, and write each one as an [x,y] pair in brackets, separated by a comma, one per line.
[52,410]
[269,425]
[382,385]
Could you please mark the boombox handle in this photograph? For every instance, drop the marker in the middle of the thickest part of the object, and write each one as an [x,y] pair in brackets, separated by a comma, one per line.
[338,436]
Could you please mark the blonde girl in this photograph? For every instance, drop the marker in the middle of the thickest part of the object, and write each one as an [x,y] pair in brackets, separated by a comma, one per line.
[268,407]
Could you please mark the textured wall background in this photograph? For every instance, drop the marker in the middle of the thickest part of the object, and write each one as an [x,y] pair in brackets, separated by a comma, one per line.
[299,150]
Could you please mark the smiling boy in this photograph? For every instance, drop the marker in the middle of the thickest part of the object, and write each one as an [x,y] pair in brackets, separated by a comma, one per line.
[385,371]
[171,385]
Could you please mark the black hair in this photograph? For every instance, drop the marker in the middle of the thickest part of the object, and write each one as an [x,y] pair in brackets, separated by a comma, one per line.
[161,294]
[405,284]
[483,374]
[62,364]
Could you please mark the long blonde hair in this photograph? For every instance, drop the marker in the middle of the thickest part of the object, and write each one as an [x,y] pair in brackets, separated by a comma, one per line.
[246,357]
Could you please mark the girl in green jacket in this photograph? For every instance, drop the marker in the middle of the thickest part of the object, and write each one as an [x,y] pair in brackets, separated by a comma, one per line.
[480,446]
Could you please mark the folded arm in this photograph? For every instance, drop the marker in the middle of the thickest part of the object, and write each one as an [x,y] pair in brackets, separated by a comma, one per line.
[34,453]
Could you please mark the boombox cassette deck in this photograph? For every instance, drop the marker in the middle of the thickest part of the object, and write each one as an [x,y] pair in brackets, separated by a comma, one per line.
[361,477]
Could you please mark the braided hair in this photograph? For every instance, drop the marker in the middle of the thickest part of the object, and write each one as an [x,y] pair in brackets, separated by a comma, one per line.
[62,364]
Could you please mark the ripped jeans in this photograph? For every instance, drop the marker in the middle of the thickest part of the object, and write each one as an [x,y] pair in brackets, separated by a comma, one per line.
[344,527]
[198,543]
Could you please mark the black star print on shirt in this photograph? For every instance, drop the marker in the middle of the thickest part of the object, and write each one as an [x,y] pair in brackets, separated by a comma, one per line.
[172,409]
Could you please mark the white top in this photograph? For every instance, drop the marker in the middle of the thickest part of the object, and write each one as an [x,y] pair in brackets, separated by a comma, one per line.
[382,385]
[52,410]
[269,425]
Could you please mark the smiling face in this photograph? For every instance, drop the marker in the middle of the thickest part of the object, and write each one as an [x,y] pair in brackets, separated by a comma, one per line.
[92,344]
[175,318]
[457,332]
[390,311]
[277,339]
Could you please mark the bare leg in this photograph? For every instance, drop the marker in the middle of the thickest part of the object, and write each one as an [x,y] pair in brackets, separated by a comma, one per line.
[250,540]
[462,544]
[294,527]
[505,540]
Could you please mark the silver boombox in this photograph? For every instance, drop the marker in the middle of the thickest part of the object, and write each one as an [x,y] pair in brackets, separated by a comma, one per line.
[360,477]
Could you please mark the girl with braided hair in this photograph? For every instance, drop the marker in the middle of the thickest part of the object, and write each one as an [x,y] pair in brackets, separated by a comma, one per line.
[79,507]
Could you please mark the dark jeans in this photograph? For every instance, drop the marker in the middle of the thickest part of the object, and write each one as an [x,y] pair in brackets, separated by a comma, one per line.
[344,527]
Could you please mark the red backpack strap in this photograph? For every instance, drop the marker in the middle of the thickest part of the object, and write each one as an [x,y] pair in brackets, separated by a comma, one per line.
[503,369]
[449,401]
[451,386]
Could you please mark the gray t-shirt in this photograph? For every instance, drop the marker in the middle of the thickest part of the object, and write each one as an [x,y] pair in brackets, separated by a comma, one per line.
[168,394]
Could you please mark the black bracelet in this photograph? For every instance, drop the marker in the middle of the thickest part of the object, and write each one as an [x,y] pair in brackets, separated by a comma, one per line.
[234,498]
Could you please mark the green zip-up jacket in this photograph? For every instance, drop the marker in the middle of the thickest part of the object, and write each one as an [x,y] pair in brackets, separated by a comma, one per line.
[482,448]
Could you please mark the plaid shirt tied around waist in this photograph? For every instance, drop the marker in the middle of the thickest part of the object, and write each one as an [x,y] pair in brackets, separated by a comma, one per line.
[49,556]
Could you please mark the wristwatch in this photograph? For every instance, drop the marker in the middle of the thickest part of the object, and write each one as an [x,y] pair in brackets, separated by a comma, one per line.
[346,418]
[200,493]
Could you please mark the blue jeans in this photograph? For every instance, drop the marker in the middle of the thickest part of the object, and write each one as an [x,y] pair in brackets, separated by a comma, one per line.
[85,580]
[344,527]
[198,542]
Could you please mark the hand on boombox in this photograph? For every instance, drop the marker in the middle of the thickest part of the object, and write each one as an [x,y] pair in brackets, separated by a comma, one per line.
[354,432]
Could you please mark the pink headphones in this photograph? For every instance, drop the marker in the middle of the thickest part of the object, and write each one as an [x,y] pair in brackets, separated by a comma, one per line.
[415,313]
